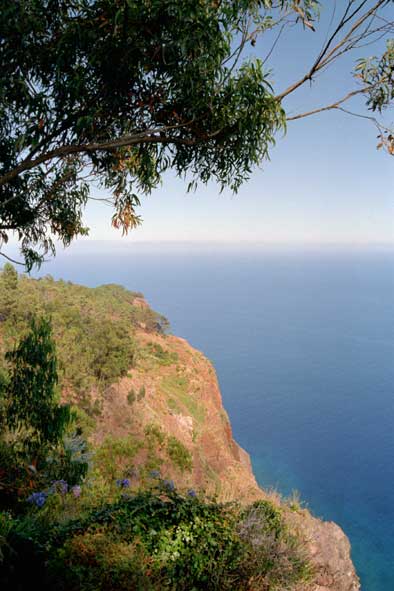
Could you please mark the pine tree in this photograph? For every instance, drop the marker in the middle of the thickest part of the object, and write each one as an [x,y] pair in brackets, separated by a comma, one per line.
[33,405]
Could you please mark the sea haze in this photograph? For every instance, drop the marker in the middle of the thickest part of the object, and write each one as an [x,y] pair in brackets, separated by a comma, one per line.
[303,344]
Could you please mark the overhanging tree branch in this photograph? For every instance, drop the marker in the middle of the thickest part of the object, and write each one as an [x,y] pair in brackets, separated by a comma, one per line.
[326,56]
[177,91]
[125,141]
[334,105]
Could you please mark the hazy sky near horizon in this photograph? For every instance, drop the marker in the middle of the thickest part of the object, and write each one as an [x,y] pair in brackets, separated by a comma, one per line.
[326,182]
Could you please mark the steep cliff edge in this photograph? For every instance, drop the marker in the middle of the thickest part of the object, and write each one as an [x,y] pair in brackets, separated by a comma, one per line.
[150,404]
[173,392]
[181,399]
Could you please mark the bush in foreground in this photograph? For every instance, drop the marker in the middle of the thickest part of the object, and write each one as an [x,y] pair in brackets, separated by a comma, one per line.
[154,540]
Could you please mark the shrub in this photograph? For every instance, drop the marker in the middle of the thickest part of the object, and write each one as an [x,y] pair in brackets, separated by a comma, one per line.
[154,435]
[179,454]
[131,396]
[156,540]
[114,455]
[160,355]
[276,558]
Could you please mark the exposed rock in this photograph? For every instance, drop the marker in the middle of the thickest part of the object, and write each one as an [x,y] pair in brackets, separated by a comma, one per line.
[184,400]
[329,552]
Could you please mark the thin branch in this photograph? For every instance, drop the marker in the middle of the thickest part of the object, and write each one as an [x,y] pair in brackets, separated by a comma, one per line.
[103,200]
[274,44]
[12,260]
[325,57]
[344,20]
[380,127]
[328,107]
[337,106]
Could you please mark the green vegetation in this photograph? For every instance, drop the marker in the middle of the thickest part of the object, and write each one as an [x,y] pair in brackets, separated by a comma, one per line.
[141,393]
[154,354]
[131,396]
[176,388]
[154,540]
[84,517]
[93,328]
[156,85]
[8,291]
[155,436]
[173,406]
[37,444]
[114,457]
[179,454]
[124,110]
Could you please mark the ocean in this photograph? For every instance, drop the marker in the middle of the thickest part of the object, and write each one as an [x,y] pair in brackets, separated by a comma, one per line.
[303,345]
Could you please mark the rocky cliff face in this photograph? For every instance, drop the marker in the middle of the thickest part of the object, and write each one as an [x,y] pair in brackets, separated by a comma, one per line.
[179,396]
[171,406]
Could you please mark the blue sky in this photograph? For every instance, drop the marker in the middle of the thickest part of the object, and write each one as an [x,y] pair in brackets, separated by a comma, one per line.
[325,183]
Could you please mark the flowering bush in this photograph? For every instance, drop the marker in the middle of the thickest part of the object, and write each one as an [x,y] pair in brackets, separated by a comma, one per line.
[38,499]
[59,486]
[76,491]
[123,483]
[161,540]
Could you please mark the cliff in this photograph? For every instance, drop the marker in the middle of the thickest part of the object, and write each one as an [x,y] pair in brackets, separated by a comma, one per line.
[150,403]
[182,399]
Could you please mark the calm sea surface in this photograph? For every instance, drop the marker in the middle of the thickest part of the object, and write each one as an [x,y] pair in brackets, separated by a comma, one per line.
[303,344]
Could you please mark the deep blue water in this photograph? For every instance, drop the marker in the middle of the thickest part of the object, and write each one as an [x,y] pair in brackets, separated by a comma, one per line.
[303,344]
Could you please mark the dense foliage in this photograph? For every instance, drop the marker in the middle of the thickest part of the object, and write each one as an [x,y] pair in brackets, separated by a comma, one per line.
[93,328]
[32,409]
[120,92]
[116,92]
[34,425]
[153,540]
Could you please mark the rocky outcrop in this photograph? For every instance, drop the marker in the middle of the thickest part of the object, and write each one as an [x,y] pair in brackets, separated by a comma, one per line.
[328,549]
[174,389]
[182,399]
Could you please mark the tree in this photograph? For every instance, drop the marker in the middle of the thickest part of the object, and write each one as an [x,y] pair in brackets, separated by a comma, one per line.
[8,290]
[37,444]
[9,277]
[119,91]
[33,410]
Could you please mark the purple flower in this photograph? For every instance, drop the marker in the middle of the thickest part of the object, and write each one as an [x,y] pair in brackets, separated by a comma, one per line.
[124,483]
[154,474]
[59,486]
[37,498]
[76,491]
[192,493]
[169,485]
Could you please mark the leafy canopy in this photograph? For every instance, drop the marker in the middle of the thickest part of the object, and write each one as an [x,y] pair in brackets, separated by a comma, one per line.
[119,91]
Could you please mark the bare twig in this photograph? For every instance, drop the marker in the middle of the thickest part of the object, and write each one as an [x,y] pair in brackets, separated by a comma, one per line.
[337,106]
[274,44]
[327,107]
[11,259]
[326,55]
